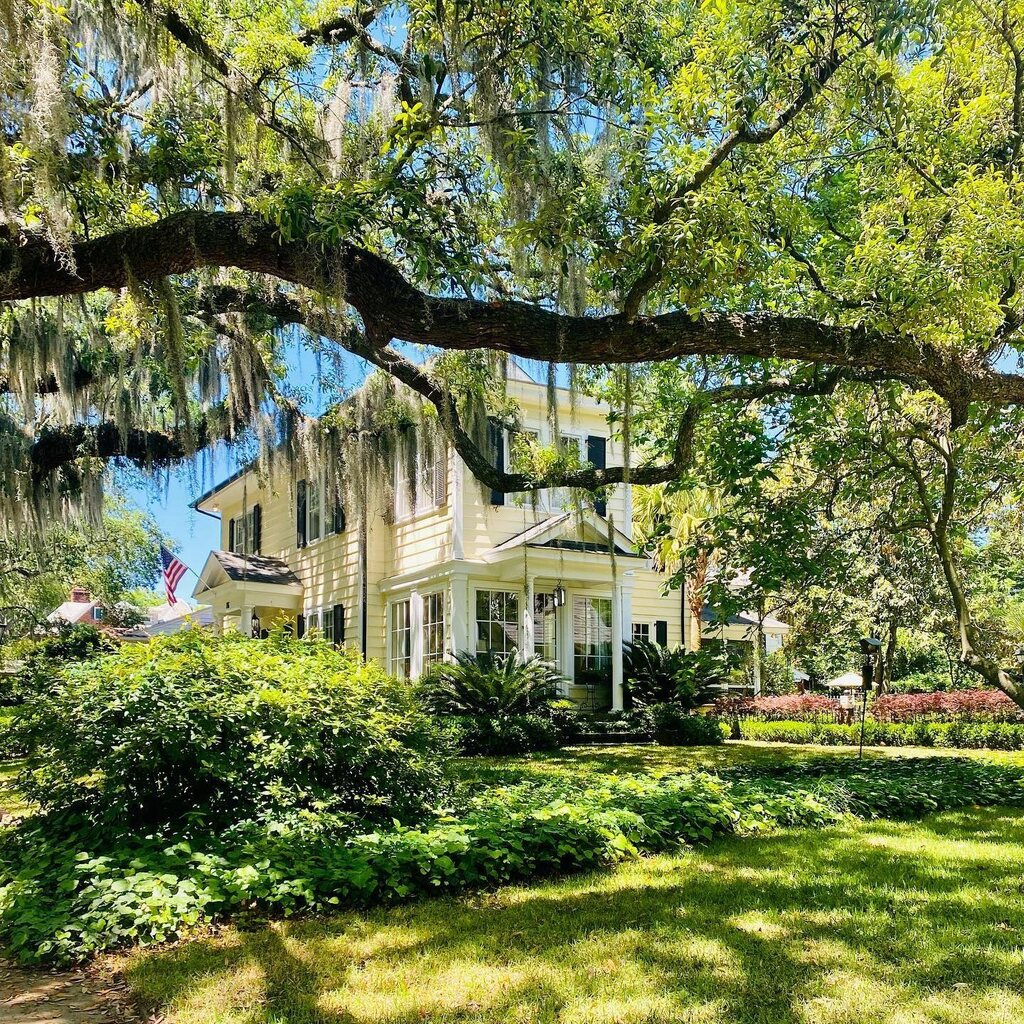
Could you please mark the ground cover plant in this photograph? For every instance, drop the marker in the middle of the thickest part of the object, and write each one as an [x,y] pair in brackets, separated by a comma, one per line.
[65,895]
[873,922]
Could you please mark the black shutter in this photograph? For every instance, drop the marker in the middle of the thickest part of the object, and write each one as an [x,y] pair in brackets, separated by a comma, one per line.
[661,632]
[339,625]
[339,518]
[300,514]
[597,453]
[496,443]
[231,534]
[257,530]
[300,625]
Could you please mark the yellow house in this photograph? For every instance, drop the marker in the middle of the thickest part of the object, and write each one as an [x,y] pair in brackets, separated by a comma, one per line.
[453,567]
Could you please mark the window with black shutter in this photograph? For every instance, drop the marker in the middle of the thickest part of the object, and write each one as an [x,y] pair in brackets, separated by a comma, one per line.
[597,453]
[339,625]
[496,444]
[231,534]
[256,539]
[661,632]
[300,625]
[338,520]
[300,514]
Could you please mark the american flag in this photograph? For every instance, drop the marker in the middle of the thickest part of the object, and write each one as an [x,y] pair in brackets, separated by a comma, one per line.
[174,569]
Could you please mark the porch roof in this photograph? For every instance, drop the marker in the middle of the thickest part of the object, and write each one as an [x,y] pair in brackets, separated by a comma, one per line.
[552,533]
[260,570]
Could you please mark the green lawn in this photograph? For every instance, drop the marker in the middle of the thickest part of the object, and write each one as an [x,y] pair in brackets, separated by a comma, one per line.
[870,922]
[880,922]
[11,801]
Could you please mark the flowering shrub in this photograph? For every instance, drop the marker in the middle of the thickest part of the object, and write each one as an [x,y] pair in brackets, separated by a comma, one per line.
[797,707]
[976,705]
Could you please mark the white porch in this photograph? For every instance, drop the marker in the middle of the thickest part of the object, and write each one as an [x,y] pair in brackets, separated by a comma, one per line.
[239,587]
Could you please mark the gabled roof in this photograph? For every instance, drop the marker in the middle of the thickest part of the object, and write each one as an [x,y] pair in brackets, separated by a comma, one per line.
[551,532]
[72,611]
[769,623]
[224,566]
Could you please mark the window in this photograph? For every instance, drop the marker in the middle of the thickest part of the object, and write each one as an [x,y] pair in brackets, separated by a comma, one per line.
[313,621]
[433,629]
[401,636]
[641,631]
[313,510]
[497,621]
[244,532]
[327,618]
[545,618]
[572,449]
[592,638]
[97,614]
[429,485]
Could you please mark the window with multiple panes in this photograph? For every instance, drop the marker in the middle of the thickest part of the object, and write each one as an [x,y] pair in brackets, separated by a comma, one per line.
[433,628]
[429,488]
[545,619]
[313,621]
[400,639]
[327,618]
[497,621]
[244,530]
[641,631]
[314,511]
[592,638]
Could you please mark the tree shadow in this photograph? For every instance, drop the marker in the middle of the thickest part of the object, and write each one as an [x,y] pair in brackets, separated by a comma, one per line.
[752,930]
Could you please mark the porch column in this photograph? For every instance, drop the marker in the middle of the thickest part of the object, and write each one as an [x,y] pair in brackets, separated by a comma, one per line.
[617,694]
[415,635]
[244,618]
[528,626]
[460,627]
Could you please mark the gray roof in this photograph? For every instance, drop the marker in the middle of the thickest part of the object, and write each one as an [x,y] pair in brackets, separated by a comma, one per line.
[769,622]
[256,569]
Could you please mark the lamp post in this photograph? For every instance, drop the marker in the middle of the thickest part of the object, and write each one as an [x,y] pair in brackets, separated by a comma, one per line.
[254,625]
[869,648]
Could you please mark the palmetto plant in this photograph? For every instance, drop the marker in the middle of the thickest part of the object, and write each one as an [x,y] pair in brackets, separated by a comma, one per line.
[673,527]
[490,684]
[664,675]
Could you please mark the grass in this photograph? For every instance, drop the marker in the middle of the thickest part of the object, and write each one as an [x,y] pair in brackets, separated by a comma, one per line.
[12,803]
[874,922]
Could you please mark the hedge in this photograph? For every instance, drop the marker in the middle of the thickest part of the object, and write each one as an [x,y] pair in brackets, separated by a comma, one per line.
[67,890]
[959,735]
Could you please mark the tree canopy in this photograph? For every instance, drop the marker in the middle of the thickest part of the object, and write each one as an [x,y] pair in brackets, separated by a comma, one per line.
[795,216]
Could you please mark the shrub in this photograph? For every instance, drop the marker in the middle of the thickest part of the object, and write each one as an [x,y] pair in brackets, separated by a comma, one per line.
[42,660]
[993,735]
[65,894]
[976,705]
[671,675]
[799,707]
[503,734]
[490,684]
[226,727]
[674,727]
[12,743]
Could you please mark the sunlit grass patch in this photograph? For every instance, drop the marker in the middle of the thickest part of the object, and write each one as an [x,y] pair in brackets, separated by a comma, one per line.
[871,922]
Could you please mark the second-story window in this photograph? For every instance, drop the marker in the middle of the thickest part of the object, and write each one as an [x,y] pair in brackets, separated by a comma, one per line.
[314,511]
[429,484]
[244,532]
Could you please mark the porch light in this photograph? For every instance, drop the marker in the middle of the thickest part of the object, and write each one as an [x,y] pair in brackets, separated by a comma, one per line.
[558,596]
[255,626]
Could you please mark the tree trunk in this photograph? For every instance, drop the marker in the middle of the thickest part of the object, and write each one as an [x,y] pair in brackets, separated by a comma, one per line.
[698,583]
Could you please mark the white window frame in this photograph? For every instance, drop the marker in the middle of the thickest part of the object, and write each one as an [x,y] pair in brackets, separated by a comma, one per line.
[397,661]
[645,635]
[510,623]
[245,527]
[588,640]
[434,647]
[430,485]
[540,602]
[314,487]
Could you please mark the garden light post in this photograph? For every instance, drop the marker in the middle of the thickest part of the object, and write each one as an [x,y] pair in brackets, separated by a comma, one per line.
[869,648]
[254,626]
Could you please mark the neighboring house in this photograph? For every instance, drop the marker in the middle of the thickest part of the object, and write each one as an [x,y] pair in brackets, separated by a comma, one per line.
[80,607]
[453,568]
[170,618]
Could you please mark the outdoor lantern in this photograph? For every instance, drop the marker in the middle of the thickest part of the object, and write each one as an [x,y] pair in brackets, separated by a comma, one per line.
[255,624]
[558,596]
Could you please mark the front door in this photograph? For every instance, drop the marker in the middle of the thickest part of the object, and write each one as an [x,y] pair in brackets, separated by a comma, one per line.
[592,650]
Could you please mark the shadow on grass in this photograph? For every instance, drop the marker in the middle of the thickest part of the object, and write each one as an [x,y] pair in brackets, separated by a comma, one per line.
[860,923]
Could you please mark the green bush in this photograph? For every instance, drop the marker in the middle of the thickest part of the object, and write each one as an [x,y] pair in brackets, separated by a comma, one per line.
[71,888]
[490,684]
[674,727]
[228,728]
[42,660]
[672,675]
[503,734]
[12,743]
[964,735]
